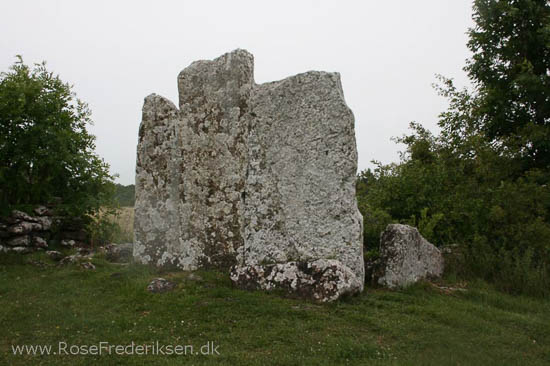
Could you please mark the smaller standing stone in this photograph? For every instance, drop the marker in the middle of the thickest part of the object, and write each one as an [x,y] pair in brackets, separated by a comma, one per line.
[159,285]
[405,258]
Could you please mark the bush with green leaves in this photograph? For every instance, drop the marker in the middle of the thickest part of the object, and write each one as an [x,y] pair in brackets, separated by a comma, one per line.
[484,182]
[46,152]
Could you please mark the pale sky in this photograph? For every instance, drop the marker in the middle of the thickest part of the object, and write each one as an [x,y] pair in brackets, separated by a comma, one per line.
[117,52]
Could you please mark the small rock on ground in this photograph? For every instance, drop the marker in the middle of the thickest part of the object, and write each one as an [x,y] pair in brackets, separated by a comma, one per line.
[159,285]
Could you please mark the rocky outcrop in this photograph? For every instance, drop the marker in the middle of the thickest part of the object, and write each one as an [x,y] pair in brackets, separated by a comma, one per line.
[256,178]
[405,258]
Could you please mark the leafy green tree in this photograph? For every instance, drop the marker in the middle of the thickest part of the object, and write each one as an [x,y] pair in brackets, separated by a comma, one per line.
[510,67]
[125,195]
[484,182]
[45,150]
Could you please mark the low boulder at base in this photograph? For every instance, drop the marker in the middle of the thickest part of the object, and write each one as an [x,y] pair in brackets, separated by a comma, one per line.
[321,280]
[405,258]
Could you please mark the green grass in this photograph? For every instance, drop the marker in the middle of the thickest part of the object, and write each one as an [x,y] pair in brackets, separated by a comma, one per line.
[417,326]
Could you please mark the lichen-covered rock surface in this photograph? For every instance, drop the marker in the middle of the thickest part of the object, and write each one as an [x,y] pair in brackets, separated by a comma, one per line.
[405,258]
[259,178]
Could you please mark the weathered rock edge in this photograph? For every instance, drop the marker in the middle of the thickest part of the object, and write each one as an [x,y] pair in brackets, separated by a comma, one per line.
[259,179]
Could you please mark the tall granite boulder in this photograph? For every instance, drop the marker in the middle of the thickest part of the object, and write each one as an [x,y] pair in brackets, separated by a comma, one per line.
[405,258]
[258,179]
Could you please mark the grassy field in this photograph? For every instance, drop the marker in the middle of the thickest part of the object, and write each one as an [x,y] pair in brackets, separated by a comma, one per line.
[124,232]
[125,220]
[422,325]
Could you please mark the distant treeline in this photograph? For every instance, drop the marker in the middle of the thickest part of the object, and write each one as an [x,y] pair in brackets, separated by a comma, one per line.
[125,195]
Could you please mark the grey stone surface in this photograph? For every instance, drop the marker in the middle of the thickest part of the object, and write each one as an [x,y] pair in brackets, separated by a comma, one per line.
[250,177]
[159,285]
[20,229]
[21,216]
[55,255]
[42,211]
[39,242]
[321,280]
[21,250]
[24,228]
[87,266]
[19,241]
[45,222]
[405,258]
[68,243]
[74,259]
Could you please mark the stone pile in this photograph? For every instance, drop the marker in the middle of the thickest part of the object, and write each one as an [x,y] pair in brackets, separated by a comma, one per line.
[23,233]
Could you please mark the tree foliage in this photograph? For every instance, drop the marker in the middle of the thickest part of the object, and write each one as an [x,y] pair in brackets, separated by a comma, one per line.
[483,182]
[510,67]
[125,195]
[45,150]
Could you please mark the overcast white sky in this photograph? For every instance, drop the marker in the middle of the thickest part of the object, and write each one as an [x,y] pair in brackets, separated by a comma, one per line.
[117,52]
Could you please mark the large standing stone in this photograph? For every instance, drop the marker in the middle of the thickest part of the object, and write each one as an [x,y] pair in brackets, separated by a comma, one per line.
[405,258]
[257,178]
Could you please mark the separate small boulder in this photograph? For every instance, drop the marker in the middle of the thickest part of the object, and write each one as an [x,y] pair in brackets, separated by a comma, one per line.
[87,265]
[405,258]
[119,253]
[159,285]
[55,255]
